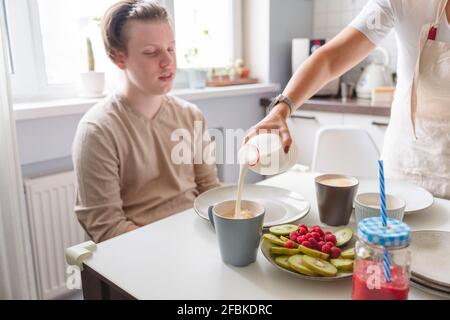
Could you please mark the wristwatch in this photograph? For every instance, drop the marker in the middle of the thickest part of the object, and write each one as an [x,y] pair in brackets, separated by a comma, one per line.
[282,98]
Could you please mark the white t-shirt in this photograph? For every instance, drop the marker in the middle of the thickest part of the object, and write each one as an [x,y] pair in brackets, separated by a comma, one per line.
[406,18]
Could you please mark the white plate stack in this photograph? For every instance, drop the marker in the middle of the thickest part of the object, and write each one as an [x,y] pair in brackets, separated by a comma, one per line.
[430,268]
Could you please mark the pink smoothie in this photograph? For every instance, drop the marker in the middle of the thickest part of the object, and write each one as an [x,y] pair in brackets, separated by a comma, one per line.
[364,283]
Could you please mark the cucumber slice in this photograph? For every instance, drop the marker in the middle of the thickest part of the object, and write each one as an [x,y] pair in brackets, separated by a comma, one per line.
[343,264]
[322,267]
[343,236]
[313,253]
[296,263]
[273,239]
[282,261]
[348,254]
[286,240]
[284,251]
[283,230]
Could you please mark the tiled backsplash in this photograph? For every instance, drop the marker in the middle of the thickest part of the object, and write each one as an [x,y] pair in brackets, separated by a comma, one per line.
[331,16]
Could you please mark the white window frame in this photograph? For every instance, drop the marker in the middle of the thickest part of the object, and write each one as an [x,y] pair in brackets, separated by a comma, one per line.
[29,81]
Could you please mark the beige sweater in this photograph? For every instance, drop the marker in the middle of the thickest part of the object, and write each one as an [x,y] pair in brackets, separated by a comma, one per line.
[124,170]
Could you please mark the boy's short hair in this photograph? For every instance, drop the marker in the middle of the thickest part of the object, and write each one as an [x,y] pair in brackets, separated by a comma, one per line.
[116,17]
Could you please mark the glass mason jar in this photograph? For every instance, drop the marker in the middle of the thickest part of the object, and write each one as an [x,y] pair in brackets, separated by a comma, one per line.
[383,261]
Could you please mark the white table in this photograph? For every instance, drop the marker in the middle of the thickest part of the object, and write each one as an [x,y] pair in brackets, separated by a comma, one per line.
[178,259]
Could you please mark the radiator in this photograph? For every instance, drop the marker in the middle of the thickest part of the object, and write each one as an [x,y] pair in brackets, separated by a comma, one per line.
[54,227]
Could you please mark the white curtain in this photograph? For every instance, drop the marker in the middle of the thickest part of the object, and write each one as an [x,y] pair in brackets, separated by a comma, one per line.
[16,266]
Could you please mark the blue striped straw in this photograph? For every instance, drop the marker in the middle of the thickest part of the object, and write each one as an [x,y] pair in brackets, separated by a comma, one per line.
[386,258]
[387,265]
[382,194]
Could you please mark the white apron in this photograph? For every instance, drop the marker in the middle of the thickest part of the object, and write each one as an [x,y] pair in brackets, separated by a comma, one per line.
[423,158]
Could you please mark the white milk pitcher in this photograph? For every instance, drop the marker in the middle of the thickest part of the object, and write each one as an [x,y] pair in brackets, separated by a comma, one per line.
[264,154]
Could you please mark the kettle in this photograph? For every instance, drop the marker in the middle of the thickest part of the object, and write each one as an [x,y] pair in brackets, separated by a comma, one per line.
[374,75]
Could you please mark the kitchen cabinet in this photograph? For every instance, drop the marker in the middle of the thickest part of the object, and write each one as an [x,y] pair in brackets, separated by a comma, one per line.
[376,126]
[304,126]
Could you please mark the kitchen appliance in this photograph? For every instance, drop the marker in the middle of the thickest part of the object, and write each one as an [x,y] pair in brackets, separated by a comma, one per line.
[375,75]
[302,48]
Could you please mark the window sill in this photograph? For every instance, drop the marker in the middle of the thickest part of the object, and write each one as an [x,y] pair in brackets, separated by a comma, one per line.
[67,107]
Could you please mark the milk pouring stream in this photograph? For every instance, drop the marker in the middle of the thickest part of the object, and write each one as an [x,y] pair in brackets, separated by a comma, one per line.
[263,154]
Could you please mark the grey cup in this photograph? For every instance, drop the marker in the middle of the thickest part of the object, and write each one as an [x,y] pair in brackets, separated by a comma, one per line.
[238,238]
[335,202]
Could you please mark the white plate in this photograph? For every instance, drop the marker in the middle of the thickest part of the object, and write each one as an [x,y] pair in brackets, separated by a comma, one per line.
[282,206]
[429,290]
[416,198]
[430,251]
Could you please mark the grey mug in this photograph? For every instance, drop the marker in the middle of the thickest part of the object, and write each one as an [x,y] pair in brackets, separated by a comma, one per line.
[238,238]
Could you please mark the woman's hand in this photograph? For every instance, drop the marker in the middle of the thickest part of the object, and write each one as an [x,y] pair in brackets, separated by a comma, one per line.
[276,120]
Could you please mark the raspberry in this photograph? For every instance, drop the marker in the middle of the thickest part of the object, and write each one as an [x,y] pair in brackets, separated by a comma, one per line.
[328,232]
[322,243]
[335,252]
[319,231]
[302,231]
[326,248]
[303,226]
[289,244]
[312,241]
[330,238]
[307,244]
[294,235]
[315,235]
[331,244]
[308,235]
[301,239]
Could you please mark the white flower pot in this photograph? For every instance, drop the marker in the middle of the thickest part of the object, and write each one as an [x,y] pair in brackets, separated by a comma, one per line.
[92,84]
[197,78]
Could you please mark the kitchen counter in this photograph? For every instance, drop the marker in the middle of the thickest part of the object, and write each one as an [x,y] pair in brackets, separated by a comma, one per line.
[178,258]
[336,105]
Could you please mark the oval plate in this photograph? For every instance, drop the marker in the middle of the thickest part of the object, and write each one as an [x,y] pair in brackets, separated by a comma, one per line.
[265,249]
[282,206]
[417,199]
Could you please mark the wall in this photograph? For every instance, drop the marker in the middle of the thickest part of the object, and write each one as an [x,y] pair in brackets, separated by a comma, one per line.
[256,29]
[269,27]
[331,16]
[289,19]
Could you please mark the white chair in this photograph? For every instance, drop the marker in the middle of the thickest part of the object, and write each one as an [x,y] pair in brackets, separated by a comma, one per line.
[345,150]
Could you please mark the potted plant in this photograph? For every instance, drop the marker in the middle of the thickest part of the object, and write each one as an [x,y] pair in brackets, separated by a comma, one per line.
[92,82]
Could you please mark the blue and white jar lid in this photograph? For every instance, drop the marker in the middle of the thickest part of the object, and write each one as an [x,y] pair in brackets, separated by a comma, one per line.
[396,234]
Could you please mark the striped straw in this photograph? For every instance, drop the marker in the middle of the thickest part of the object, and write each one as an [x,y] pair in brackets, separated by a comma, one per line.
[387,266]
[386,258]
[382,194]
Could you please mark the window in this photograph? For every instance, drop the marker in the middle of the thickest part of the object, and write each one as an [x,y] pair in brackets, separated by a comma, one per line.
[48,41]
[63,37]
[206,32]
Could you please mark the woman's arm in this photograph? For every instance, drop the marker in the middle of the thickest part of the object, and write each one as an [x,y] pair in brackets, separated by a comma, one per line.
[329,62]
